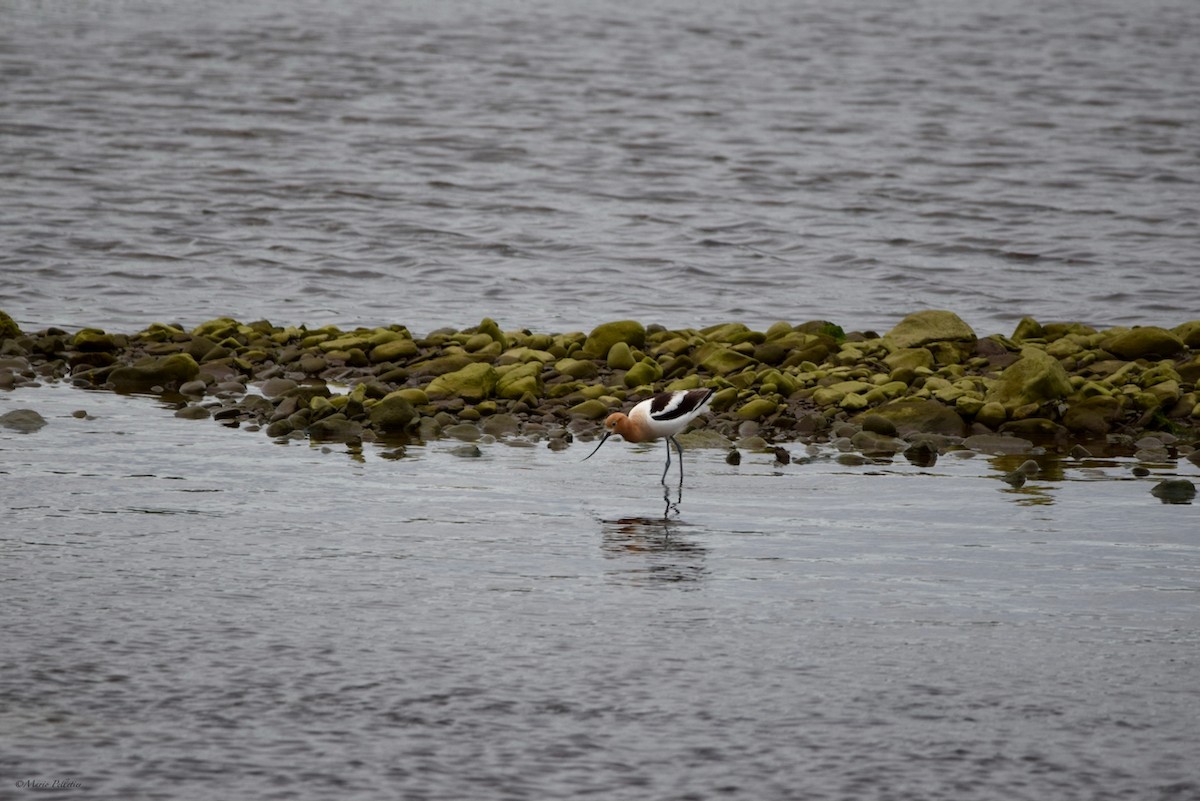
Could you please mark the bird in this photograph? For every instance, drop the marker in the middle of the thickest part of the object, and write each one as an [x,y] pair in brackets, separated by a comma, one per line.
[661,416]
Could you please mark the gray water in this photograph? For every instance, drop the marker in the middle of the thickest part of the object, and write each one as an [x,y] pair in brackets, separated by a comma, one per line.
[192,611]
[557,164]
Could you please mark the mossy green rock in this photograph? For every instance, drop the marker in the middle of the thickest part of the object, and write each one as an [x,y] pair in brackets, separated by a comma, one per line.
[93,340]
[393,412]
[1188,333]
[620,356]
[934,325]
[1028,328]
[912,415]
[1035,378]
[472,383]
[396,350]
[1144,343]
[592,409]
[490,328]
[646,371]
[166,371]
[757,409]
[603,337]
[577,368]
[909,359]
[722,361]
[8,327]
[514,382]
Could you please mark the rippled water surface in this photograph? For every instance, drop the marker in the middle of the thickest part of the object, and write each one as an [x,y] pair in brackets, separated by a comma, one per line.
[192,611]
[556,164]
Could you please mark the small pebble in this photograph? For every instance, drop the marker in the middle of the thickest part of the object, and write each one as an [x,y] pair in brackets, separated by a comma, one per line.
[734,457]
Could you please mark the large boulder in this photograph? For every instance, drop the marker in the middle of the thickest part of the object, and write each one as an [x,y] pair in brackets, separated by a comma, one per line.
[1035,378]
[933,325]
[604,336]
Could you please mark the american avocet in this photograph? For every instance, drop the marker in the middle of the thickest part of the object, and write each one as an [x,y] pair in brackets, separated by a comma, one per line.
[662,416]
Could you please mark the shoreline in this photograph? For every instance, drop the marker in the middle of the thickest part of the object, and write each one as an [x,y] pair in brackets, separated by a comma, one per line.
[927,386]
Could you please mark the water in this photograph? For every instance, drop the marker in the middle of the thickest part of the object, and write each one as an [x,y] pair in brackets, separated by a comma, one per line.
[192,611]
[554,165]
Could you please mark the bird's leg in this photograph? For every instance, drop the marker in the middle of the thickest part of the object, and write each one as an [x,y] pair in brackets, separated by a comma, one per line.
[668,467]
[680,450]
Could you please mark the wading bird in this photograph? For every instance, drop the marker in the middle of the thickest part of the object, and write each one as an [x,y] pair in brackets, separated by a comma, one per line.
[662,416]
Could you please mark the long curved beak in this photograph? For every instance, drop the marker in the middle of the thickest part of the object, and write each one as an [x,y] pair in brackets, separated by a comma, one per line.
[603,439]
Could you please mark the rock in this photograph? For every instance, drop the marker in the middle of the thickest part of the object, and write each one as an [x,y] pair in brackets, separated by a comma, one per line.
[467,432]
[724,360]
[646,371]
[909,359]
[520,379]
[997,444]
[921,454]
[782,456]
[734,457]
[923,327]
[1146,342]
[1174,490]
[991,414]
[8,327]
[1028,328]
[1188,333]
[703,438]
[166,371]
[592,409]
[1036,429]
[757,408]
[1035,378]
[501,425]
[335,428]
[396,350]
[25,421]
[196,387]
[603,337]
[472,383]
[393,412]
[277,387]
[1080,452]
[620,356]
[927,416]
[577,368]
[92,340]
[878,424]
[870,442]
[491,329]
[1093,416]
[1017,477]
[193,412]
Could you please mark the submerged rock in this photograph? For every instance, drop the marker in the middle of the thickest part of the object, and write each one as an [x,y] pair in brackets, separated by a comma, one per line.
[1174,490]
[26,421]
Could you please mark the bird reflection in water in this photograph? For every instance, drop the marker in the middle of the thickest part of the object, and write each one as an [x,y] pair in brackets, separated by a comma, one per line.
[659,547]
